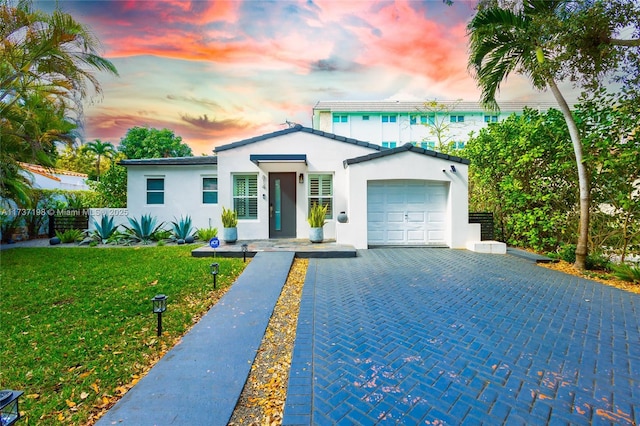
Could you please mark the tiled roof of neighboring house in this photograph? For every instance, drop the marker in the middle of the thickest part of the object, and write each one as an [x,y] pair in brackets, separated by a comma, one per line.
[419,106]
[403,148]
[50,172]
[171,161]
[297,128]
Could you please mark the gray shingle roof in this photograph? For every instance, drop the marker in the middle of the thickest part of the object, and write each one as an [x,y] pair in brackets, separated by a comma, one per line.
[172,161]
[403,148]
[418,106]
[297,128]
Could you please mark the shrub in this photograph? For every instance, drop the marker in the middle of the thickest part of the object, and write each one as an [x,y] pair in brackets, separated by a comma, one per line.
[160,235]
[205,234]
[118,238]
[143,229]
[566,252]
[104,229]
[598,262]
[229,218]
[627,272]
[317,216]
[70,235]
[183,228]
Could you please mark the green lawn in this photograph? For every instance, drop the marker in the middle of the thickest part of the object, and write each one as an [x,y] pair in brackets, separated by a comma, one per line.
[77,327]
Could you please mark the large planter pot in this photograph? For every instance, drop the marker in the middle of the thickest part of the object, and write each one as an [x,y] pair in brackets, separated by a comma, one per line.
[229,235]
[316,235]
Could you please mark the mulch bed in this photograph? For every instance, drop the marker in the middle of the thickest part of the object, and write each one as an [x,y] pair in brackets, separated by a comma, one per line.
[263,397]
[568,268]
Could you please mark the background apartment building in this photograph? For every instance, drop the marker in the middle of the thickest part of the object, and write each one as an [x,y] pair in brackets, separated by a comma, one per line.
[426,124]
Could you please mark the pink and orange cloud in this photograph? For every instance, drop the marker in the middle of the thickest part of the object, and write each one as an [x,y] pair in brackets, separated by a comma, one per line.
[218,71]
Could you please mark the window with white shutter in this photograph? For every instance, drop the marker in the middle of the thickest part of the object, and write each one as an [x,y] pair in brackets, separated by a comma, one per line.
[321,192]
[245,196]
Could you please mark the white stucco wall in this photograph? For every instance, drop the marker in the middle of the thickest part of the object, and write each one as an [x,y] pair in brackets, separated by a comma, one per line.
[407,165]
[402,131]
[183,186]
[324,155]
[67,182]
[182,195]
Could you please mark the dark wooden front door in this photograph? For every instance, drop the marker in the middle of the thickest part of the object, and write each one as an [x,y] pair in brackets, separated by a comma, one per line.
[282,205]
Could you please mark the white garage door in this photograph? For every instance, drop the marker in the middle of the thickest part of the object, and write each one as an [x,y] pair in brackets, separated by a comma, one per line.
[406,212]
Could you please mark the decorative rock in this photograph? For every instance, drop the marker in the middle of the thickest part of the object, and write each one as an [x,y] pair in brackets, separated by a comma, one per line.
[180,241]
[189,239]
[54,241]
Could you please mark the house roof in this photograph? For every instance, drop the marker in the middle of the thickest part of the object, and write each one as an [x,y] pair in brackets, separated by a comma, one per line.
[50,172]
[404,148]
[278,158]
[297,128]
[171,161]
[419,106]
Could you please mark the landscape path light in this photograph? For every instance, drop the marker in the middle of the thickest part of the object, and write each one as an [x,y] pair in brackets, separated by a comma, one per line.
[245,247]
[9,410]
[215,267]
[159,306]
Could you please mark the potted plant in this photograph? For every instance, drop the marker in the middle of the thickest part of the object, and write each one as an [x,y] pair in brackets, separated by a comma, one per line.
[229,225]
[316,219]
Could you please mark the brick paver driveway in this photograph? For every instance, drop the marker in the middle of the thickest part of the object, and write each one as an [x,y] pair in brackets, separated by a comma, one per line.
[438,336]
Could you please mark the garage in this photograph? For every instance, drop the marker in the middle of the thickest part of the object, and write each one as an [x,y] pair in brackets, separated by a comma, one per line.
[406,212]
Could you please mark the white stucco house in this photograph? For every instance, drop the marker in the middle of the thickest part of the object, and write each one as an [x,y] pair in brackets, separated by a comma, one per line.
[42,177]
[401,196]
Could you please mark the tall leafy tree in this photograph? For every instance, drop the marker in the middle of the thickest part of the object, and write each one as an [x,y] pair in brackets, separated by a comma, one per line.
[438,124]
[145,142]
[101,149]
[78,159]
[611,123]
[48,63]
[541,39]
[521,172]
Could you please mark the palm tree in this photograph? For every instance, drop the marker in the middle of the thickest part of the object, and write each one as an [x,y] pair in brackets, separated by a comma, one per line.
[101,149]
[47,65]
[50,54]
[503,41]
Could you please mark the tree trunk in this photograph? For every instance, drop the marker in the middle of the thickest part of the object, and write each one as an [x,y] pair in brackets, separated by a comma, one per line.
[583,177]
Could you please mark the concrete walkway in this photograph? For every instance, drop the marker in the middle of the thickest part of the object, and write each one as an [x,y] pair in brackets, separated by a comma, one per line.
[200,380]
[439,336]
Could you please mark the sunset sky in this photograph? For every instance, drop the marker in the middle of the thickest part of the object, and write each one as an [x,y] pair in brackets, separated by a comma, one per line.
[218,72]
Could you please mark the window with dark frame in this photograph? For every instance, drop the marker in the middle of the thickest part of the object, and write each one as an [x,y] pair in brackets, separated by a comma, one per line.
[155,190]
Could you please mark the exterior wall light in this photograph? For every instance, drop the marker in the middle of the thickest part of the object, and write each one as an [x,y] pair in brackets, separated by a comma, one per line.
[9,410]
[301,178]
[159,306]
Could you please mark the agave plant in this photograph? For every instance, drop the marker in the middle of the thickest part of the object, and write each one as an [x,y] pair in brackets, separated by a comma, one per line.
[104,229]
[182,229]
[143,229]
